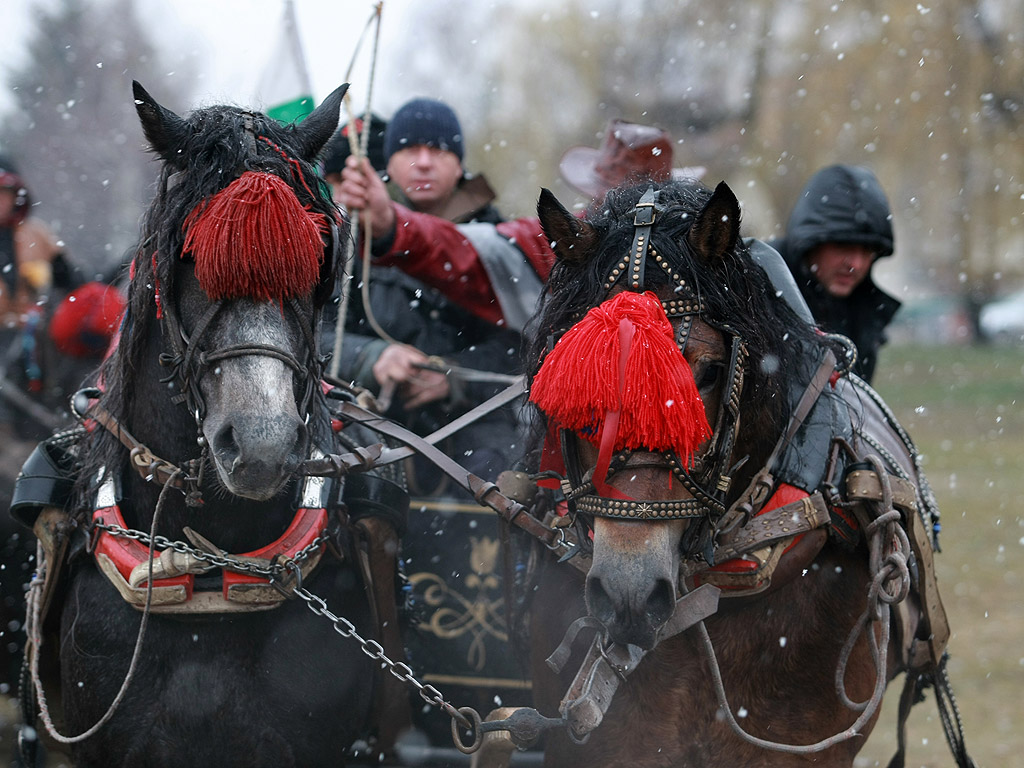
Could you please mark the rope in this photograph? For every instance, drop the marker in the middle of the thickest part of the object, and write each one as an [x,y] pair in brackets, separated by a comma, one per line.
[35,638]
[887,564]
[949,715]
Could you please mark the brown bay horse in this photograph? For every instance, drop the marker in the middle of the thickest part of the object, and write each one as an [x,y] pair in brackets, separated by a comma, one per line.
[754,532]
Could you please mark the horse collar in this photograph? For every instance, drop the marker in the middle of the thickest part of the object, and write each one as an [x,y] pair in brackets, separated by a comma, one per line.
[246,585]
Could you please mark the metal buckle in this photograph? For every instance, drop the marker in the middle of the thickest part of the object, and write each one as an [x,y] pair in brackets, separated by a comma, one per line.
[643,214]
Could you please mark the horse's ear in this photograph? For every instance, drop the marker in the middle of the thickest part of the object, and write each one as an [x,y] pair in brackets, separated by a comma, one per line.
[313,132]
[571,239]
[165,131]
[716,229]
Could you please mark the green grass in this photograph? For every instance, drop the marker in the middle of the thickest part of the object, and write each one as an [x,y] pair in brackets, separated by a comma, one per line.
[964,408]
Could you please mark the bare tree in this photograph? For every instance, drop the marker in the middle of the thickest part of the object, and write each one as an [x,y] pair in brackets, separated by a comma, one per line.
[75,135]
[762,93]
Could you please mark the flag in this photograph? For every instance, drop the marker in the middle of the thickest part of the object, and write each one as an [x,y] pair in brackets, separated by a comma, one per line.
[285,86]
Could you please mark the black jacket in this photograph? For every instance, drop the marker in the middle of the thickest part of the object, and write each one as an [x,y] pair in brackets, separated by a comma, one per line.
[843,204]
[416,314]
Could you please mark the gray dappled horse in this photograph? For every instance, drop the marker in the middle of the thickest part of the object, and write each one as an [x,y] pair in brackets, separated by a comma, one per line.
[209,406]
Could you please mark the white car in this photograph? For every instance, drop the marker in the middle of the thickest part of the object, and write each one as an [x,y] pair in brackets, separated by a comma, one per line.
[1004,319]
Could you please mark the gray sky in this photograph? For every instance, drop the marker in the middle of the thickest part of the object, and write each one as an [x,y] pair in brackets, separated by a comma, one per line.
[228,42]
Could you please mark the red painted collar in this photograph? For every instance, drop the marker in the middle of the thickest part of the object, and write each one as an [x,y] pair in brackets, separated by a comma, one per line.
[118,556]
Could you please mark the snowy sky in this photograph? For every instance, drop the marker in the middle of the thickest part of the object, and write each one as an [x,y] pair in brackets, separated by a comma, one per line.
[228,41]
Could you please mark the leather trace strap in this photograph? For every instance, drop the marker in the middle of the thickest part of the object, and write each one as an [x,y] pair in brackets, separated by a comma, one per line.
[513,391]
[484,492]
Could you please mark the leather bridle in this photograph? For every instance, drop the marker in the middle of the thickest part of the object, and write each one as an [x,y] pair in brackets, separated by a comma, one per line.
[709,478]
[187,360]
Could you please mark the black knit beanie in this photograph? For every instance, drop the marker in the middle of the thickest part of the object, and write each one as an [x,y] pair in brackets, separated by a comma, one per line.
[424,121]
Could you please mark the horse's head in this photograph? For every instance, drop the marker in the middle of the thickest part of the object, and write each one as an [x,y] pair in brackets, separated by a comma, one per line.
[237,257]
[660,338]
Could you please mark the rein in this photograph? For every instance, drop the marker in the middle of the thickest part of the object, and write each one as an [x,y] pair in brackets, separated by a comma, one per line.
[33,630]
[357,149]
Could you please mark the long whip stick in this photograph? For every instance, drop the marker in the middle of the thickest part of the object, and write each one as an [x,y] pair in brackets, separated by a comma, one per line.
[358,144]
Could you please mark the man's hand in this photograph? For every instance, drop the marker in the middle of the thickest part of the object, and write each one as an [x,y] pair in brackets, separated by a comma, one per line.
[361,189]
[398,364]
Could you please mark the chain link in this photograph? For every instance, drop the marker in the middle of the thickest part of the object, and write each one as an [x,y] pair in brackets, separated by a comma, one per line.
[375,651]
[220,561]
[316,605]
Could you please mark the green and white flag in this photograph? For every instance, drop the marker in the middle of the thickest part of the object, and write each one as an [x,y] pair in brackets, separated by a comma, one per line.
[285,87]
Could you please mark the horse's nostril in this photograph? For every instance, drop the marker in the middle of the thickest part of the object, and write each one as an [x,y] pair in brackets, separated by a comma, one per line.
[599,602]
[225,445]
[661,602]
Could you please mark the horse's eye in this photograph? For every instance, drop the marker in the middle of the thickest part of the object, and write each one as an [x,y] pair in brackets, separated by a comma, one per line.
[710,377]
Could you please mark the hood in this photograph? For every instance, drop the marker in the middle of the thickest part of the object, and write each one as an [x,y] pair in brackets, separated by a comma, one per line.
[840,204]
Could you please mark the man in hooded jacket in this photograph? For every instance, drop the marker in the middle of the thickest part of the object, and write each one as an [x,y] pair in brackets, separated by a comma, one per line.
[840,226]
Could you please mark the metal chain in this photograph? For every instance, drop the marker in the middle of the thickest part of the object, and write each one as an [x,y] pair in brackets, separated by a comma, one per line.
[316,605]
[220,561]
[375,651]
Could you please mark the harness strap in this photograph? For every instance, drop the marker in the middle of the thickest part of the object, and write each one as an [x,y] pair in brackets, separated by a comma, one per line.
[507,395]
[143,460]
[761,486]
[633,263]
[639,509]
[376,548]
[584,705]
[800,516]
[865,485]
[913,691]
[484,492]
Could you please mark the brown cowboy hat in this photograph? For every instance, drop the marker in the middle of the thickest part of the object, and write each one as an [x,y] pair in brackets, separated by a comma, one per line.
[630,152]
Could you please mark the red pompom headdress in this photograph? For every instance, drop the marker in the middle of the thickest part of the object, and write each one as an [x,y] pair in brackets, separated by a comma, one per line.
[619,367]
[255,239]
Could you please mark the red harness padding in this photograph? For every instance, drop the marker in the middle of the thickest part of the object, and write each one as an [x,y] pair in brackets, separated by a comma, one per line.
[126,554]
[784,494]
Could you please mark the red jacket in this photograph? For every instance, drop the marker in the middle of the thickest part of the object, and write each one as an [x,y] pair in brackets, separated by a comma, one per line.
[434,251]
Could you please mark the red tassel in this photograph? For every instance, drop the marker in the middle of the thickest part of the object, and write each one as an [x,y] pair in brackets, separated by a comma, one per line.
[254,239]
[579,382]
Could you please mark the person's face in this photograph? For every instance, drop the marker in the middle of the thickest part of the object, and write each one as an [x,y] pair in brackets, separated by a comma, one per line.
[8,197]
[840,267]
[427,175]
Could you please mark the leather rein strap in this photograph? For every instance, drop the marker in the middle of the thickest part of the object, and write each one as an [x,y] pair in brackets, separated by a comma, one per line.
[144,461]
[484,492]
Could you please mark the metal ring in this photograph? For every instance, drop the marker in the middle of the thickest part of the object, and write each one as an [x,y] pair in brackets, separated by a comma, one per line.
[478,735]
